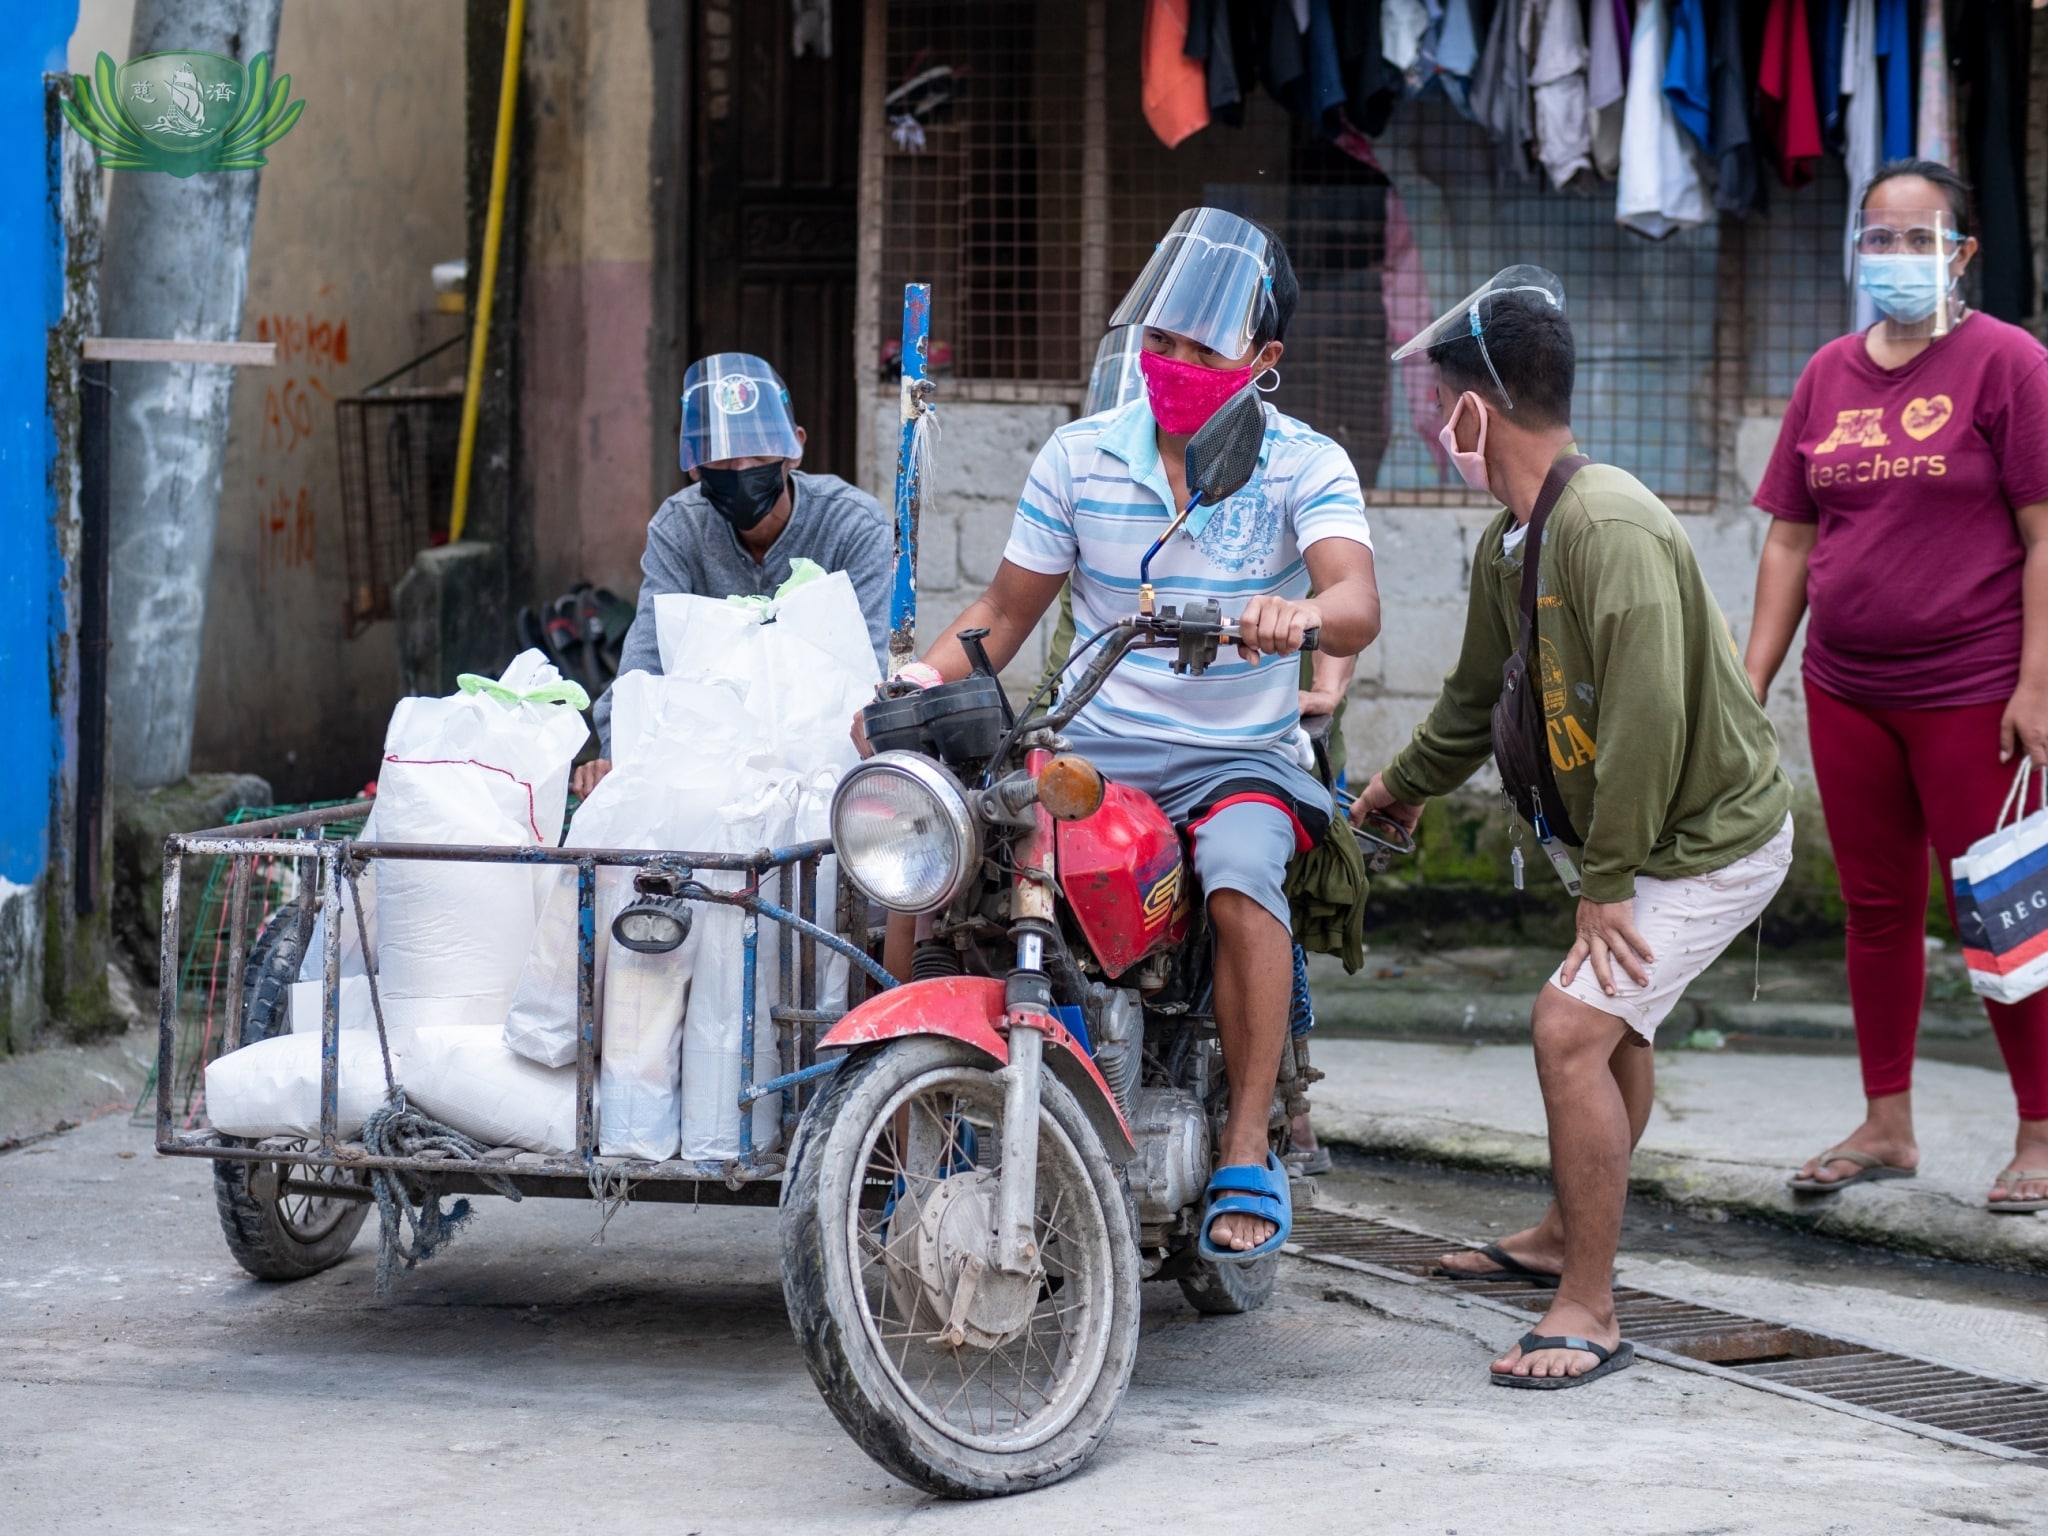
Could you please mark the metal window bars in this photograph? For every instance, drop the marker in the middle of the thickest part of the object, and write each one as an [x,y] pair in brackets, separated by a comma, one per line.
[300,839]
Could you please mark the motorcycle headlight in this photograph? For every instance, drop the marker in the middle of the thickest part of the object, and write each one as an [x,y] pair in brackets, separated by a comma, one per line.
[903,833]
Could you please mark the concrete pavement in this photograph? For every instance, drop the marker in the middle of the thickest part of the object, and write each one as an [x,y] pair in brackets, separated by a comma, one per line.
[1729,1127]
[531,1380]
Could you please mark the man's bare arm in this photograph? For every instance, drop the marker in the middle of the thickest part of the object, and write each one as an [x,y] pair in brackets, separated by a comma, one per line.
[1011,607]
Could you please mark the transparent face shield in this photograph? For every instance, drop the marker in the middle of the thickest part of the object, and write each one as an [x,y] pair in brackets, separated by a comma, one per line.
[1210,279]
[1468,316]
[1910,263]
[1116,379]
[735,407]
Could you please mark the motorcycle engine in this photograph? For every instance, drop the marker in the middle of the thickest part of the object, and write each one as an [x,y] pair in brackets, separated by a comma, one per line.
[1172,1164]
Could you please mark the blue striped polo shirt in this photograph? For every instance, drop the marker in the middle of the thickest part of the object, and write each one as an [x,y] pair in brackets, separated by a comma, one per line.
[1098,496]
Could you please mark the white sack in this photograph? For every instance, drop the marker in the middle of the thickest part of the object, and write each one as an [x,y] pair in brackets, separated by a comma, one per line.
[711,1031]
[272,1087]
[357,1010]
[467,769]
[466,1078]
[313,962]
[814,824]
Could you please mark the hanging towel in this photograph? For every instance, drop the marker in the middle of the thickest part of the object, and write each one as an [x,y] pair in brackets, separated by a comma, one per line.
[1606,85]
[1660,189]
[1785,83]
[1557,89]
[1935,137]
[1175,91]
[1687,67]
[1500,90]
[1895,57]
[1995,38]
[1738,182]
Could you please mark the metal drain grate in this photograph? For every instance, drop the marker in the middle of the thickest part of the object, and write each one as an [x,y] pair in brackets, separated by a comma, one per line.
[1992,1413]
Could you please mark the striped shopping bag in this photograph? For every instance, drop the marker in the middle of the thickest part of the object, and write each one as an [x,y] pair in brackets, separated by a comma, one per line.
[2001,894]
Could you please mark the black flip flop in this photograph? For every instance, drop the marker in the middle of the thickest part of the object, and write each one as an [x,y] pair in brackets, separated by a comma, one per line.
[1511,1268]
[1619,1358]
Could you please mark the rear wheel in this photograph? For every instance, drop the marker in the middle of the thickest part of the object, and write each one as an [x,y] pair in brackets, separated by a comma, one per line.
[887,1214]
[278,1224]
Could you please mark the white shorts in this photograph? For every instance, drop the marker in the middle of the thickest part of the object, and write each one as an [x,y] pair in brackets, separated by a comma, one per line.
[1687,922]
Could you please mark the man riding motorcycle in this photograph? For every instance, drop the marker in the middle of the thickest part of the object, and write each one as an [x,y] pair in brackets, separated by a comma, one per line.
[1215,750]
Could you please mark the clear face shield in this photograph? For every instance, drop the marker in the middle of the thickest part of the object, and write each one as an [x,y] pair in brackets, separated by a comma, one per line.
[735,407]
[1116,379]
[1468,316]
[1911,264]
[1210,279]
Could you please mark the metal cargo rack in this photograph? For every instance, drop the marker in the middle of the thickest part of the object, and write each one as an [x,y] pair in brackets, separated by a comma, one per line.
[749,1177]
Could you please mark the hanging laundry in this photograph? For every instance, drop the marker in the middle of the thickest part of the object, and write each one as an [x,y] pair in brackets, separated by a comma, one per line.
[1606,85]
[1557,89]
[1500,88]
[1372,86]
[1449,54]
[1660,188]
[1895,59]
[1402,25]
[1825,21]
[1176,95]
[1687,71]
[1859,133]
[1994,42]
[1935,137]
[1785,83]
[1738,181]
[1211,45]
[1303,68]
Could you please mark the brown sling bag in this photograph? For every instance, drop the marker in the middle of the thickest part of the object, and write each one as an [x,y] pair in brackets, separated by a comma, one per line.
[1521,739]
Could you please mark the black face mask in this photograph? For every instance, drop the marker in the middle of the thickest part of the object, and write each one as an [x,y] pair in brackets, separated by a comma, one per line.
[743,497]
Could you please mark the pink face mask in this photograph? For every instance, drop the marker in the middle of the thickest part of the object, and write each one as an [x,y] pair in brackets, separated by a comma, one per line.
[1184,395]
[1471,466]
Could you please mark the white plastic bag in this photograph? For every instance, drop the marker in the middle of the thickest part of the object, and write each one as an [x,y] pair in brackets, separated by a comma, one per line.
[272,1087]
[712,1067]
[475,769]
[814,824]
[466,1078]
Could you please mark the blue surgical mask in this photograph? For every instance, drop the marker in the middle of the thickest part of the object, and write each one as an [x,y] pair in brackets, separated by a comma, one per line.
[1907,288]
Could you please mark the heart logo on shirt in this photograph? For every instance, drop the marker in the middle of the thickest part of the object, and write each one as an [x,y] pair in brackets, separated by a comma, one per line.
[1924,417]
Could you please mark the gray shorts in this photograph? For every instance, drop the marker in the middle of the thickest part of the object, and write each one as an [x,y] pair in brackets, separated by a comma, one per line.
[1243,847]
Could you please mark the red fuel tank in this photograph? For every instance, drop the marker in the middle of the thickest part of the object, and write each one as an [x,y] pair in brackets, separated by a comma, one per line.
[1122,874]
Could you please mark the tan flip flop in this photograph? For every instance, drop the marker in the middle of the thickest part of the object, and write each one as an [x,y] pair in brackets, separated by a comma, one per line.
[2012,1178]
[1868,1169]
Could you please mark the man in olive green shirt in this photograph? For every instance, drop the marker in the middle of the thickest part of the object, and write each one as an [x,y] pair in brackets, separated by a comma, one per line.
[1664,761]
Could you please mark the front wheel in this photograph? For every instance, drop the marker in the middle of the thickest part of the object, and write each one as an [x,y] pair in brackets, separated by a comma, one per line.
[888,1213]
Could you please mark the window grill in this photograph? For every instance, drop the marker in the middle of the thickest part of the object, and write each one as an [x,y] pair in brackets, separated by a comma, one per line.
[397,488]
[987,194]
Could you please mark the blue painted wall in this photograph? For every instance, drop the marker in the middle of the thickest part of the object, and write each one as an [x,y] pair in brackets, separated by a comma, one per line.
[31,301]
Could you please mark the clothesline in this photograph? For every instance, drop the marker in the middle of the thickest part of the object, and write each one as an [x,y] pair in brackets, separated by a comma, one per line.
[1678,104]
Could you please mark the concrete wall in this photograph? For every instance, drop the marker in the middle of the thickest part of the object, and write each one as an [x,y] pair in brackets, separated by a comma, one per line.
[1423,557]
[357,204]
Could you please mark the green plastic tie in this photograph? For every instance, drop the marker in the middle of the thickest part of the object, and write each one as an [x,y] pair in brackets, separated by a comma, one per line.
[563,692]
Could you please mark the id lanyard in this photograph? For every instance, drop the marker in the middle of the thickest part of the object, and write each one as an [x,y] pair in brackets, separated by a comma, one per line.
[1560,856]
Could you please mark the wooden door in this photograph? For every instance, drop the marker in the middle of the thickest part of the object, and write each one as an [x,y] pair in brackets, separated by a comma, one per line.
[777,145]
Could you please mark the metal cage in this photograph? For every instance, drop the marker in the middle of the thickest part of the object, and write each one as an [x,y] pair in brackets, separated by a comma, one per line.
[397,485]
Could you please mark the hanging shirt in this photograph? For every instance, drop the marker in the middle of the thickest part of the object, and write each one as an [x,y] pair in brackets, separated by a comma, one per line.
[1210,44]
[1913,474]
[1176,93]
[1825,21]
[1606,84]
[1859,131]
[1686,71]
[1738,186]
[1785,81]
[1557,89]
[1402,24]
[1372,86]
[1500,90]
[1660,189]
[1935,136]
[1996,38]
[1895,56]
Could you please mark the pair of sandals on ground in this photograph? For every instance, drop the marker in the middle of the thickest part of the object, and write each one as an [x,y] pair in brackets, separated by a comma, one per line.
[2007,1198]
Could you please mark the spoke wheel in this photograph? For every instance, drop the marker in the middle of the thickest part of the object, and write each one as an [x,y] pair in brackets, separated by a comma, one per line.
[888,1214]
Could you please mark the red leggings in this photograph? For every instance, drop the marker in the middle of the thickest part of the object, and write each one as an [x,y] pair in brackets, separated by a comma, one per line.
[1891,782]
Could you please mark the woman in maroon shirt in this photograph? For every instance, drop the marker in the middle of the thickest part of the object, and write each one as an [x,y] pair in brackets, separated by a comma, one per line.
[1909,498]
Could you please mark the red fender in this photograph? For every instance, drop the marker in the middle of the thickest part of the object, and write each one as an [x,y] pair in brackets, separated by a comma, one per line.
[970,1009]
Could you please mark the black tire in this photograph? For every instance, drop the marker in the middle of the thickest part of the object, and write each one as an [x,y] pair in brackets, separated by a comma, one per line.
[1224,1290]
[838,1333]
[276,1234]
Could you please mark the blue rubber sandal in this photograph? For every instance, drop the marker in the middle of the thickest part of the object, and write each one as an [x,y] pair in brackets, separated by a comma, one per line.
[1248,1191]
